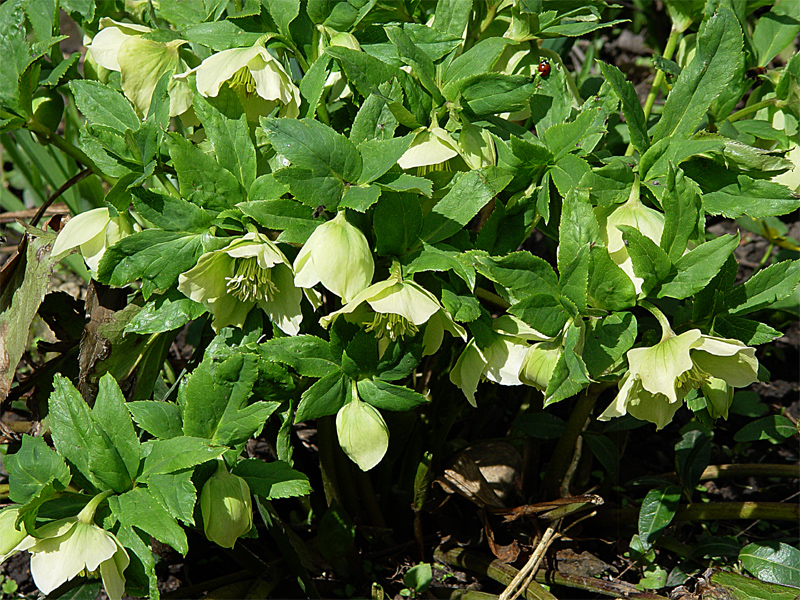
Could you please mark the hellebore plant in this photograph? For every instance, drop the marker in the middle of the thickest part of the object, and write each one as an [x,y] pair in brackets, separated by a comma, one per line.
[500,361]
[398,308]
[69,547]
[250,271]
[255,75]
[431,146]
[659,377]
[10,536]
[647,221]
[338,256]
[226,507]
[92,231]
[362,432]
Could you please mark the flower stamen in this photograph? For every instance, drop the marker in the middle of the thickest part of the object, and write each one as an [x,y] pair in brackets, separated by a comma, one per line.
[243,82]
[392,326]
[251,282]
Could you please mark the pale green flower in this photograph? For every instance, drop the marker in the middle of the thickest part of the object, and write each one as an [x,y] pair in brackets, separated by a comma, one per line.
[73,546]
[226,506]
[141,63]
[398,308]
[540,362]
[258,78]
[362,432]
[791,178]
[10,537]
[338,256]
[659,377]
[647,221]
[250,271]
[499,362]
[431,146]
[477,146]
[92,231]
[719,397]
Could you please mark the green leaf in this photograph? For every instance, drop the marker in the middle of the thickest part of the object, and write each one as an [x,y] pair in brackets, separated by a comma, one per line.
[609,287]
[139,508]
[176,454]
[650,262]
[309,355]
[604,450]
[567,174]
[80,440]
[681,205]
[165,313]
[225,124]
[578,229]
[418,577]
[406,183]
[471,192]
[131,540]
[540,425]
[365,72]
[654,164]
[159,419]
[631,108]
[441,258]
[202,180]
[374,120]
[764,288]
[751,333]
[31,468]
[719,43]
[272,480]
[422,67]
[775,428]
[360,197]
[520,273]
[563,138]
[381,155]
[387,396]
[543,312]
[313,84]
[743,588]
[692,453]
[492,93]
[658,509]
[452,16]
[279,214]
[569,375]
[170,213]
[478,59]
[699,266]
[111,415]
[397,221]
[464,308]
[103,106]
[220,35]
[775,30]
[176,492]
[153,255]
[607,340]
[609,184]
[323,398]
[336,532]
[772,561]
[283,12]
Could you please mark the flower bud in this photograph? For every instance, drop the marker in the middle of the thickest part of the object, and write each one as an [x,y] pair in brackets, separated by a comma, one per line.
[719,397]
[430,147]
[226,507]
[363,434]
[10,536]
[346,40]
[539,363]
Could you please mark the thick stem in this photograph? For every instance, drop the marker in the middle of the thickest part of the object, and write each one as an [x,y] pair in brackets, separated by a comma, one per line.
[565,448]
[492,298]
[669,50]
[666,330]
[716,511]
[754,108]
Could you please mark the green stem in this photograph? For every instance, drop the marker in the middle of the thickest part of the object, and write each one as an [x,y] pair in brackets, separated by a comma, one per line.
[669,50]
[169,187]
[753,108]
[666,330]
[565,448]
[76,153]
[326,436]
[492,298]
[715,511]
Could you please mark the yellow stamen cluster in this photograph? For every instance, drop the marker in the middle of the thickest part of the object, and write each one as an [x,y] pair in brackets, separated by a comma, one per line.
[243,81]
[250,281]
[392,326]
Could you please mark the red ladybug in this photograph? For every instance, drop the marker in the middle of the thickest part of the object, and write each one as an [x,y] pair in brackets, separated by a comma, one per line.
[544,67]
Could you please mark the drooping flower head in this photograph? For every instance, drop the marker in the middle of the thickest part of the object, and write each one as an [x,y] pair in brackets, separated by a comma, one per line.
[338,256]
[647,221]
[431,146]
[395,308]
[68,547]
[250,271]
[659,377]
[255,75]
[141,63]
[500,362]
[10,536]
[362,432]
[226,507]
[92,231]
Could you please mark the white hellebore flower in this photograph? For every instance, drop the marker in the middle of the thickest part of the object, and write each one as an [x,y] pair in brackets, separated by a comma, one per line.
[791,178]
[226,506]
[647,221]
[69,547]
[92,231]
[10,537]
[660,376]
[540,362]
[362,432]
[499,362]
[249,271]
[338,256]
[258,78]
[431,146]
[141,63]
[400,308]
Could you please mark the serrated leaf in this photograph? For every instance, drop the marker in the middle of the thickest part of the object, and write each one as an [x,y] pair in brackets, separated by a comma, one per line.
[309,355]
[169,213]
[607,340]
[775,428]
[111,415]
[139,508]
[176,454]
[32,468]
[159,419]
[699,266]
[272,480]
[104,106]
[650,262]
[543,312]
[165,313]
[176,492]
[387,396]
[631,108]
[520,273]
[397,221]
[764,288]
[323,398]
[751,333]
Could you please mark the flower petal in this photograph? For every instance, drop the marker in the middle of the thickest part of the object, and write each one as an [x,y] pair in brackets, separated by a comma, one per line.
[406,299]
[504,360]
[284,308]
[466,373]
[219,67]
[659,367]
[428,148]
[726,359]
[654,408]
[81,229]
[619,407]
[363,434]
[142,64]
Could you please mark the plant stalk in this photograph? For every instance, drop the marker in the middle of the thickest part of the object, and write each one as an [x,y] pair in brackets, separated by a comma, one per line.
[714,511]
